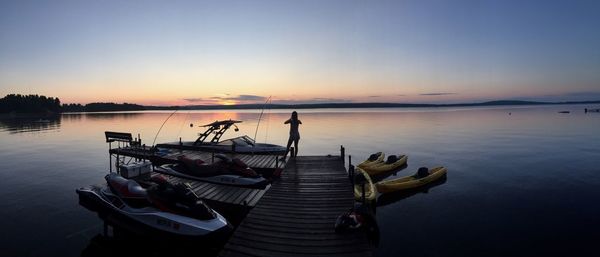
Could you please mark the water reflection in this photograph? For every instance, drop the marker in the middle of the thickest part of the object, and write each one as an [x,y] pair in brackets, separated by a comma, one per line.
[30,124]
[110,116]
[117,240]
[390,198]
[505,171]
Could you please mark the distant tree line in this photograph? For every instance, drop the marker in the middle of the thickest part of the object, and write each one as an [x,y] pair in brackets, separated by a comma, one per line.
[29,104]
[102,107]
[17,103]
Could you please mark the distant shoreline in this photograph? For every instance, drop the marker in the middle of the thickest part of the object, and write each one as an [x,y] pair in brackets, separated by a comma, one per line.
[339,106]
[17,105]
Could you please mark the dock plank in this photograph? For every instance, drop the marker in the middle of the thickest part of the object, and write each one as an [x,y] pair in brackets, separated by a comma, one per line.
[296,216]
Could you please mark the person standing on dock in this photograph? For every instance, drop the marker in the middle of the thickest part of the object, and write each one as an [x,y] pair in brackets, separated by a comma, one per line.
[294,134]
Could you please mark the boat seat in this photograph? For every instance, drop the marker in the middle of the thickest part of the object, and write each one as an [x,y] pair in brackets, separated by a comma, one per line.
[125,188]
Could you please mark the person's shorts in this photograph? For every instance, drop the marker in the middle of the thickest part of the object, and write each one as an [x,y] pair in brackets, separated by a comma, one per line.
[295,136]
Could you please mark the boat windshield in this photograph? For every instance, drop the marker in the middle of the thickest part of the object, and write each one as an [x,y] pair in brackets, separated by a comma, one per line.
[248,140]
[226,142]
[243,141]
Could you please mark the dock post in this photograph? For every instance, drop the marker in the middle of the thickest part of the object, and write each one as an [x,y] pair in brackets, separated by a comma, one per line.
[343,153]
[109,157]
[351,168]
[276,162]
[213,157]
[349,159]
[351,174]
[117,164]
[180,145]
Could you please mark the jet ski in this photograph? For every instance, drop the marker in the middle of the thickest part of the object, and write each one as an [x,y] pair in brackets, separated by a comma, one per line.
[225,170]
[166,208]
[242,144]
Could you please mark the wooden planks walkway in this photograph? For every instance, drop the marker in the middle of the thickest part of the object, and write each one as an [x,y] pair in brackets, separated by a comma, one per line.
[296,216]
[222,193]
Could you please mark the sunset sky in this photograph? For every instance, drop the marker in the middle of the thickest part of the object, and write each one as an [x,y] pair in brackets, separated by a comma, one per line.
[227,52]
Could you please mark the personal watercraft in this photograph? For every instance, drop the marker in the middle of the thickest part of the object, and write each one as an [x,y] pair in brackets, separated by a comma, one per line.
[169,209]
[242,144]
[225,170]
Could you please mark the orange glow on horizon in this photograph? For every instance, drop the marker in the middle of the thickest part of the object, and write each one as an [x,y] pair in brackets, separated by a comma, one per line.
[227,102]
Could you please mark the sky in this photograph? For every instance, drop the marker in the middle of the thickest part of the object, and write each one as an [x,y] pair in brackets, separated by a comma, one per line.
[228,52]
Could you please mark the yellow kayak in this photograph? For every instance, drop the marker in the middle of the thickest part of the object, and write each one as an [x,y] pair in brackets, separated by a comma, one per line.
[410,181]
[389,165]
[374,159]
[370,192]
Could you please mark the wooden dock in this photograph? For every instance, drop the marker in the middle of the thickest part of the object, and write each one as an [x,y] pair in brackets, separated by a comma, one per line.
[223,193]
[296,216]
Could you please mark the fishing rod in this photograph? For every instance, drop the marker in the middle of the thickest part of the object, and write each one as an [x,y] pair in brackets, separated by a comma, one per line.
[182,123]
[260,117]
[268,120]
[161,126]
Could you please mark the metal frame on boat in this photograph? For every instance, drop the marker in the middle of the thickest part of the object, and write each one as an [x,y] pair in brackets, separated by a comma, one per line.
[241,144]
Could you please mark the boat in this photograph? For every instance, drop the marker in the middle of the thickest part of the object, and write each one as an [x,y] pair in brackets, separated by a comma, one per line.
[591,110]
[372,160]
[370,192]
[166,208]
[241,144]
[421,178]
[393,162]
[225,171]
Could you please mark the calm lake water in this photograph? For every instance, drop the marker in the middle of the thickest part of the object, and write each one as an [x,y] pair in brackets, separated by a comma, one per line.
[524,184]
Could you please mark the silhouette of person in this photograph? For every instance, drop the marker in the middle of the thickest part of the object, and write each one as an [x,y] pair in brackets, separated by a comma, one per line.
[294,134]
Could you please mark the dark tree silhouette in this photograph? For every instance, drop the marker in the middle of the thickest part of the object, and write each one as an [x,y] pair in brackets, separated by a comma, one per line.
[29,104]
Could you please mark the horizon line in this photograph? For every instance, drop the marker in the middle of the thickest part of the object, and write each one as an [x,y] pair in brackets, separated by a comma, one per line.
[349,105]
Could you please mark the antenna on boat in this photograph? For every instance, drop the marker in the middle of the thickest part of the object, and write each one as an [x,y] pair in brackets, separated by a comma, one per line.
[260,117]
[161,126]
